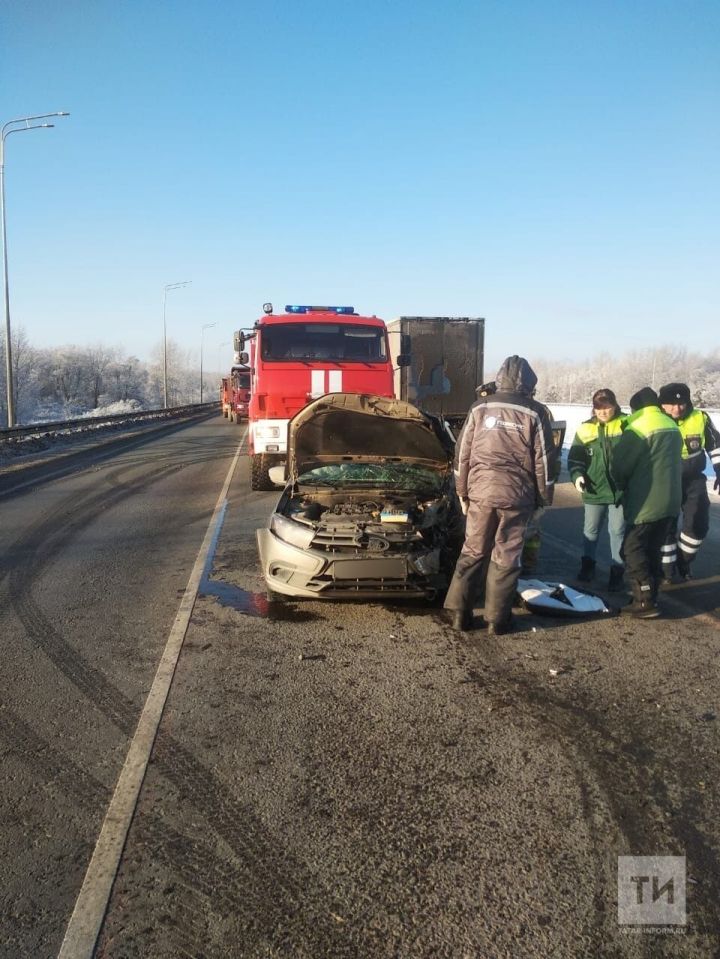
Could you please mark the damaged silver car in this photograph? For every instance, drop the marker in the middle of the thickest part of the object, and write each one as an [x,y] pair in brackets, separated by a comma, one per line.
[369,509]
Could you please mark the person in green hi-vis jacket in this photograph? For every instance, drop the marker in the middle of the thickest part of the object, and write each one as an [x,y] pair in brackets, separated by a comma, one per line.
[647,468]
[589,465]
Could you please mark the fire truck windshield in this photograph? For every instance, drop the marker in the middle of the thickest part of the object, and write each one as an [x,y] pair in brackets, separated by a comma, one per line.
[323,341]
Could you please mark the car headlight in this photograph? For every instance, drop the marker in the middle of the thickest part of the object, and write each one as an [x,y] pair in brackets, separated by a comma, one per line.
[267,432]
[291,532]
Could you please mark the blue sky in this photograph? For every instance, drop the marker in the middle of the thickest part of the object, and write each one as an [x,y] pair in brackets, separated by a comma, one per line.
[551,166]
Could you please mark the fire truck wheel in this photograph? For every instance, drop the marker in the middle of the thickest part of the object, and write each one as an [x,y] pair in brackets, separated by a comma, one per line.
[225,413]
[259,478]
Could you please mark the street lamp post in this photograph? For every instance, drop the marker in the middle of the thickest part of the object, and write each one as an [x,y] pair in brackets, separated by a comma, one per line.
[168,286]
[206,326]
[7,129]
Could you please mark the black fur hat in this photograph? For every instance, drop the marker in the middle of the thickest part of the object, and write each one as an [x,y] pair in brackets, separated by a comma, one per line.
[674,393]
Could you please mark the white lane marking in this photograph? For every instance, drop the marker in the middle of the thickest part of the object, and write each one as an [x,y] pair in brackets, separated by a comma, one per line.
[86,921]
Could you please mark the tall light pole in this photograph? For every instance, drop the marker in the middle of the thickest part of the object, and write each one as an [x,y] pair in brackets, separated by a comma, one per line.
[206,326]
[8,128]
[168,286]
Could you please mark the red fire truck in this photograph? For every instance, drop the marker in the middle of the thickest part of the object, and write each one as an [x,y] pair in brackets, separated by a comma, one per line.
[239,393]
[301,354]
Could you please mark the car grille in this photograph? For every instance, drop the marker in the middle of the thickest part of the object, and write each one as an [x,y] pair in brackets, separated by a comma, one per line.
[373,539]
[349,587]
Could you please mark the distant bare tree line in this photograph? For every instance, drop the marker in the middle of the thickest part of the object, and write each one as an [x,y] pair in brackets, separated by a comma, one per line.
[564,381]
[71,380]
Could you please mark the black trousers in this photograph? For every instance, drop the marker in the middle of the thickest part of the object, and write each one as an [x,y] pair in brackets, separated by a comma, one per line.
[694,522]
[641,549]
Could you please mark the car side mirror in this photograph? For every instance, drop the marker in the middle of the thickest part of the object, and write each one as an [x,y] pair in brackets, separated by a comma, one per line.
[244,359]
[404,359]
[277,475]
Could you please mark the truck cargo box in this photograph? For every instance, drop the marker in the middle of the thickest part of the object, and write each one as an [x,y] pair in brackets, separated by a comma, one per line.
[447,362]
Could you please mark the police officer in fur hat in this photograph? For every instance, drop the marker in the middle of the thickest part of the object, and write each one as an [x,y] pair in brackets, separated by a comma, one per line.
[700,438]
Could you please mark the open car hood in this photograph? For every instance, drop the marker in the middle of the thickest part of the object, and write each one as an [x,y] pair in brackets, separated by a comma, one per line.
[362,428]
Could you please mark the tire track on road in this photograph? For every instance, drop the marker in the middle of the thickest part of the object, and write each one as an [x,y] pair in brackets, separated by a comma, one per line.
[616,765]
[283,879]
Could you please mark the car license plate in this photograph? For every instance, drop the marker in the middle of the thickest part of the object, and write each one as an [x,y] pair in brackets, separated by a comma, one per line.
[370,569]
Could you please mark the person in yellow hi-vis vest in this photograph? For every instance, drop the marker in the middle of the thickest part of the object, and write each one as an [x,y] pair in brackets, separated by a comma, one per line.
[699,437]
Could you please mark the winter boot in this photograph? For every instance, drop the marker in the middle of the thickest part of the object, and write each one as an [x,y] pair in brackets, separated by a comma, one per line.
[499,629]
[643,604]
[587,570]
[500,590]
[615,583]
[669,574]
[654,588]
[683,565]
[460,620]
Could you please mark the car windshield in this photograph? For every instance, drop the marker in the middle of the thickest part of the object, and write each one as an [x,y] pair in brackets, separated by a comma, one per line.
[323,341]
[389,476]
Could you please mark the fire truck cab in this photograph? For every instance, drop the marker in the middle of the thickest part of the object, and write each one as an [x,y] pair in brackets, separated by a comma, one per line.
[299,355]
[239,392]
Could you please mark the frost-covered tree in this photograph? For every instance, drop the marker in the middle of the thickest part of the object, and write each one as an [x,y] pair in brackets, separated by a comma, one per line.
[182,383]
[127,378]
[24,374]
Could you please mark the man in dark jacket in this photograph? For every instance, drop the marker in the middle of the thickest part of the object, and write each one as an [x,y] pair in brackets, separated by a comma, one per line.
[505,462]
[646,467]
[699,438]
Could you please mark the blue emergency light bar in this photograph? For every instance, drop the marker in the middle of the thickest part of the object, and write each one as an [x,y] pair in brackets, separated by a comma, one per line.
[343,310]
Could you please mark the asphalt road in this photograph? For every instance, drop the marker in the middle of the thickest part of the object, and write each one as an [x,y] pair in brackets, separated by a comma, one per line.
[334,780]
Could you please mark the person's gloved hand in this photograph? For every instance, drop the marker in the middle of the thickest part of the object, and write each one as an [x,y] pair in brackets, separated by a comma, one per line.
[580,484]
[464,504]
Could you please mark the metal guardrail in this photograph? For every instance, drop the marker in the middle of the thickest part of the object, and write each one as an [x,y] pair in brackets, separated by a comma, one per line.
[96,422]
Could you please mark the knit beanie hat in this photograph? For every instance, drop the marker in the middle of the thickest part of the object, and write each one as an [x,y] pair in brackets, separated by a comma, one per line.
[644,397]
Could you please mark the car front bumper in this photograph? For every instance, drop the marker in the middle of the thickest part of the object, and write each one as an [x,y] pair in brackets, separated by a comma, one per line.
[315,574]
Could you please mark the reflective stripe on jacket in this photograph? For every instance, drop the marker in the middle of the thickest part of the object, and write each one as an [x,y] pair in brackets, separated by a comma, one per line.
[505,457]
